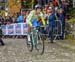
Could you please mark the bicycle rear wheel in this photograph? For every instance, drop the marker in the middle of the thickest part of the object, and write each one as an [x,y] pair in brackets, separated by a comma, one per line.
[29,43]
[39,43]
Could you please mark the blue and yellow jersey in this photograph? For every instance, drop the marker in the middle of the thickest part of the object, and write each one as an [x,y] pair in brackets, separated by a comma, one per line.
[33,15]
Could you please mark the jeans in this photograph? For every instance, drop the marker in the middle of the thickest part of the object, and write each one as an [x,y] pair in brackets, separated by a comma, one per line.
[50,31]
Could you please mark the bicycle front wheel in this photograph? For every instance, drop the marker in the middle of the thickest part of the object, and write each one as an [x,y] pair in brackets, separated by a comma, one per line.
[39,43]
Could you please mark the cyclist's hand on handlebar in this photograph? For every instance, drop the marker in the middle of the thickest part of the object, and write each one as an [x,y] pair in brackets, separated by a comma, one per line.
[44,26]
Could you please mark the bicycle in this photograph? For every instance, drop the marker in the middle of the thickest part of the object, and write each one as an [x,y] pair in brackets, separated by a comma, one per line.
[35,39]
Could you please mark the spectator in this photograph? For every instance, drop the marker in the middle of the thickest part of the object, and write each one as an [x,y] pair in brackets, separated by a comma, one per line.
[64,5]
[21,17]
[50,4]
[45,12]
[46,7]
[51,19]
[55,3]
[56,10]
[42,2]
[26,12]
[14,19]
[8,20]
[62,19]
[51,16]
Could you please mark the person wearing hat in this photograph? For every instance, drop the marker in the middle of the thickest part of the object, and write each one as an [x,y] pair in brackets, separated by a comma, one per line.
[62,19]
[21,17]
[26,12]
[51,19]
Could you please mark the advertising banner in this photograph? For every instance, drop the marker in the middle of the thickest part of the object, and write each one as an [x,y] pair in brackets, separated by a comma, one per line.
[15,29]
[10,29]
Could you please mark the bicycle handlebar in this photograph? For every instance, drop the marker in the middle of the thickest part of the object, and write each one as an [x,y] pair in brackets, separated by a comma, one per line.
[38,26]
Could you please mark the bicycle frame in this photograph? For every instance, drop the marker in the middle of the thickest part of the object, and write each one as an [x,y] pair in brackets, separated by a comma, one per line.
[36,39]
[33,33]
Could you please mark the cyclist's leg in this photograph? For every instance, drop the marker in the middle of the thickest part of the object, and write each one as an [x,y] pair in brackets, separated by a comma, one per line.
[29,30]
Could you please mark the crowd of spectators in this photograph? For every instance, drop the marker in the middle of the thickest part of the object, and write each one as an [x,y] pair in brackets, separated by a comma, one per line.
[56,5]
[7,20]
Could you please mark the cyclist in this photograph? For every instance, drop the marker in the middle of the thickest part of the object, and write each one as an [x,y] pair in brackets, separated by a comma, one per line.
[34,16]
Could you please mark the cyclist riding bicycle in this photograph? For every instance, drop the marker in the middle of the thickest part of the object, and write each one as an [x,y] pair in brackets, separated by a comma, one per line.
[33,17]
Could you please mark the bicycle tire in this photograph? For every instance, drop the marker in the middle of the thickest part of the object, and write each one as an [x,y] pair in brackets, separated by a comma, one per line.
[40,43]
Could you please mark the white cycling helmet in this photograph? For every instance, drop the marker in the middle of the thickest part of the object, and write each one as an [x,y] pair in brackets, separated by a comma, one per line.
[38,6]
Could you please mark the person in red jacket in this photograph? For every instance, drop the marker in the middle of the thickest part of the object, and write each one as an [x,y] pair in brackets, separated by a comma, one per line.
[46,7]
[24,19]
[26,12]
[55,3]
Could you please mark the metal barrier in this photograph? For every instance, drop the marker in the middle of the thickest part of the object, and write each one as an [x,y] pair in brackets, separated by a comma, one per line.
[57,29]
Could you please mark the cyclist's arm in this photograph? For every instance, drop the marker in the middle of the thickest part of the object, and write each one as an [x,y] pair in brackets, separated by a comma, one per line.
[29,19]
[42,18]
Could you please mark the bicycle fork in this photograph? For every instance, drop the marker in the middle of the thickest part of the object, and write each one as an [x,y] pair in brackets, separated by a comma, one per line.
[33,39]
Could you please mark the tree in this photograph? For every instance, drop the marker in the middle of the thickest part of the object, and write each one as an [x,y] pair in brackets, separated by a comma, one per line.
[27,3]
[71,10]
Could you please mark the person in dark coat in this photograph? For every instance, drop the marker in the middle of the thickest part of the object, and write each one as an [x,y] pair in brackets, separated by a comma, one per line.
[51,19]
[62,19]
